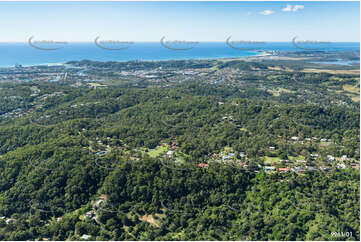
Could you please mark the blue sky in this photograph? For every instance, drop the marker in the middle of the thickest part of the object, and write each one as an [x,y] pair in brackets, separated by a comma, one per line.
[191,21]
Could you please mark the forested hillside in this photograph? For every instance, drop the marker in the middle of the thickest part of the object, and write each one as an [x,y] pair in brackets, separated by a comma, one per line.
[187,162]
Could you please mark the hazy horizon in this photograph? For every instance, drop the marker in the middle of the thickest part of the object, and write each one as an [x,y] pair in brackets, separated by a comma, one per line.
[191,21]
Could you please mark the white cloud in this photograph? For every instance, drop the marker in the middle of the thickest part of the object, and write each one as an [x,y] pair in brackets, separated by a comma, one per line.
[295,8]
[288,8]
[267,12]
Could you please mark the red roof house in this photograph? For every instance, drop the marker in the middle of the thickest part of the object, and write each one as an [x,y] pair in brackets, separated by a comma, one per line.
[202,165]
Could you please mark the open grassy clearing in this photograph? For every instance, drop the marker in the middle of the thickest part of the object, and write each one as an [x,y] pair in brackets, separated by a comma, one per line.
[158,151]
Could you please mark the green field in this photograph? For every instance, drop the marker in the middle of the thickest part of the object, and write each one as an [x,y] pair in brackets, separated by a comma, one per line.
[158,151]
[270,160]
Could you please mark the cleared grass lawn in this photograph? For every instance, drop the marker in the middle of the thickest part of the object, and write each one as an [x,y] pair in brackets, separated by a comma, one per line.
[351,88]
[181,156]
[94,84]
[228,149]
[277,92]
[270,160]
[159,150]
[244,130]
[300,157]
[356,71]
[324,143]
[355,98]
[353,92]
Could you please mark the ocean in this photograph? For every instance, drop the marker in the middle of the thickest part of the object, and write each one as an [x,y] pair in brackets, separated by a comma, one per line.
[26,55]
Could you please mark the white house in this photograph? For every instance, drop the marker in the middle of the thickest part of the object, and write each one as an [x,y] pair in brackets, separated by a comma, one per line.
[344,158]
[9,220]
[330,158]
[98,203]
[295,138]
[85,236]
[341,166]
[170,153]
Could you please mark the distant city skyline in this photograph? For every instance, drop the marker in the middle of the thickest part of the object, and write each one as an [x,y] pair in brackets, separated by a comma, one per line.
[189,21]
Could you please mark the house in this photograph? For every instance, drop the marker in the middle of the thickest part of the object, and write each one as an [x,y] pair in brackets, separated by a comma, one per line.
[89,214]
[85,236]
[330,158]
[311,168]
[295,138]
[344,158]
[286,169]
[2,217]
[325,168]
[45,239]
[226,157]
[97,204]
[174,146]
[100,153]
[269,168]
[355,165]
[215,155]
[298,169]
[202,165]
[242,154]
[170,153]
[272,148]
[341,166]
[314,156]
[10,221]
[323,140]
[220,103]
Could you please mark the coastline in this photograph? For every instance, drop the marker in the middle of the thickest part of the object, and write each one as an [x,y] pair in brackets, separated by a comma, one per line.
[254,55]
